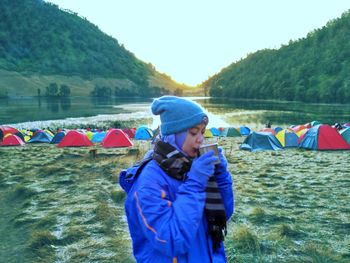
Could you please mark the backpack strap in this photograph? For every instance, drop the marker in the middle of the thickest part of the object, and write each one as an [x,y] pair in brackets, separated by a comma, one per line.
[127,177]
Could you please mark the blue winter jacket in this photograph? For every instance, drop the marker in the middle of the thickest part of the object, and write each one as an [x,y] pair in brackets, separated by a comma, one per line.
[166,217]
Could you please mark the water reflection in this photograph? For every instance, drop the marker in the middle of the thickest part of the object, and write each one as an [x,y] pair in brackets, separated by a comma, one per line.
[101,100]
[52,104]
[56,104]
[276,112]
[65,104]
[39,102]
[224,111]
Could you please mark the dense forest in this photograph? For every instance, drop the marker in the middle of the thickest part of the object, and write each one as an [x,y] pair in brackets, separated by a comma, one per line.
[37,37]
[312,69]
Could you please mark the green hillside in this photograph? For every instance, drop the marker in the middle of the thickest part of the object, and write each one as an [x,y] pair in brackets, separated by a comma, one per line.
[312,69]
[42,44]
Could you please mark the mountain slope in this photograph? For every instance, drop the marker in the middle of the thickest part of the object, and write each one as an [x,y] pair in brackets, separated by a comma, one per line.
[313,69]
[37,38]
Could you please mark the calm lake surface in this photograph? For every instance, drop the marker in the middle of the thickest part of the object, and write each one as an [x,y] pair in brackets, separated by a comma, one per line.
[222,112]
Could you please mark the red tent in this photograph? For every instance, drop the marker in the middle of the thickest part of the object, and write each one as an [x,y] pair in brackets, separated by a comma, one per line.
[116,138]
[75,139]
[306,125]
[11,140]
[6,130]
[268,130]
[130,132]
[323,137]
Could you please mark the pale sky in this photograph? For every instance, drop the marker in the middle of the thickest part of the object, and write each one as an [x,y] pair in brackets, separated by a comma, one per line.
[191,40]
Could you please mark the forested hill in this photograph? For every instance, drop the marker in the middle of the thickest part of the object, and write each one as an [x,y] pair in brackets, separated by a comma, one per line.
[312,69]
[38,38]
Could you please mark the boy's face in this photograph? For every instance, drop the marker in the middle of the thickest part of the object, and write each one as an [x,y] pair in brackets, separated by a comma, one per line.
[194,139]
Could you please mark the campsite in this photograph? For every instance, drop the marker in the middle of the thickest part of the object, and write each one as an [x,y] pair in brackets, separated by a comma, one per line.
[77,81]
[65,204]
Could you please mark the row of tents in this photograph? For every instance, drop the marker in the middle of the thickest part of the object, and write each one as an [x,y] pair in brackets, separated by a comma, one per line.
[94,135]
[318,137]
[313,135]
[72,138]
[10,136]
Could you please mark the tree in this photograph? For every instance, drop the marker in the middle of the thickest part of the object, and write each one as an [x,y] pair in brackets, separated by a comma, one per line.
[101,91]
[52,90]
[64,91]
[312,69]
[178,92]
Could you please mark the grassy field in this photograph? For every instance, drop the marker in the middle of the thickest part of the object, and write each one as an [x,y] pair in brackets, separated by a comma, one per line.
[65,205]
[17,84]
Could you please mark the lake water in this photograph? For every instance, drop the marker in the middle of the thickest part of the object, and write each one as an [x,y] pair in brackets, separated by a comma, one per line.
[36,112]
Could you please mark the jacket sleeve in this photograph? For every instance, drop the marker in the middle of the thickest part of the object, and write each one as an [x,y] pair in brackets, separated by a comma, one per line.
[226,189]
[170,226]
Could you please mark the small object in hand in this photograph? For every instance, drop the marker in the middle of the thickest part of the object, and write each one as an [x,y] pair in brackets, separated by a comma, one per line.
[210,147]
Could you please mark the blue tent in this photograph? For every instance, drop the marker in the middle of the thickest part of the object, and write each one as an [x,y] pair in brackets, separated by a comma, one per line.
[34,130]
[244,130]
[315,123]
[287,138]
[230,132]
[98,137]
[277,129]
[345,133]
[58,137]
[41,137]
[261,141]
[143,133]
[215,131]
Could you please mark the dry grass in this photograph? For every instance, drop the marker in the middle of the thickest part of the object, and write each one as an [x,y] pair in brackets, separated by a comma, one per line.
[62,205]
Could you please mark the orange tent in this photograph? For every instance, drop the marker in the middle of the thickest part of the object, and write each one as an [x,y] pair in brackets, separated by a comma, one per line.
[298,128]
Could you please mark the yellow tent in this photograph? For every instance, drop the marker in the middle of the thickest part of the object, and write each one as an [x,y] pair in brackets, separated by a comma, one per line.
[287,138]
[302,132]
[208,133]
[49,132]
[89,134]
[26,134]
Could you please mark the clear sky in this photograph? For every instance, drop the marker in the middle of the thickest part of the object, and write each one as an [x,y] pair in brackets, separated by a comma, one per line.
[191,40]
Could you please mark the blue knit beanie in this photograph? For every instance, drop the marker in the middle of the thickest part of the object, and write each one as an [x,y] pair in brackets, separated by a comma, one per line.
[177,114]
